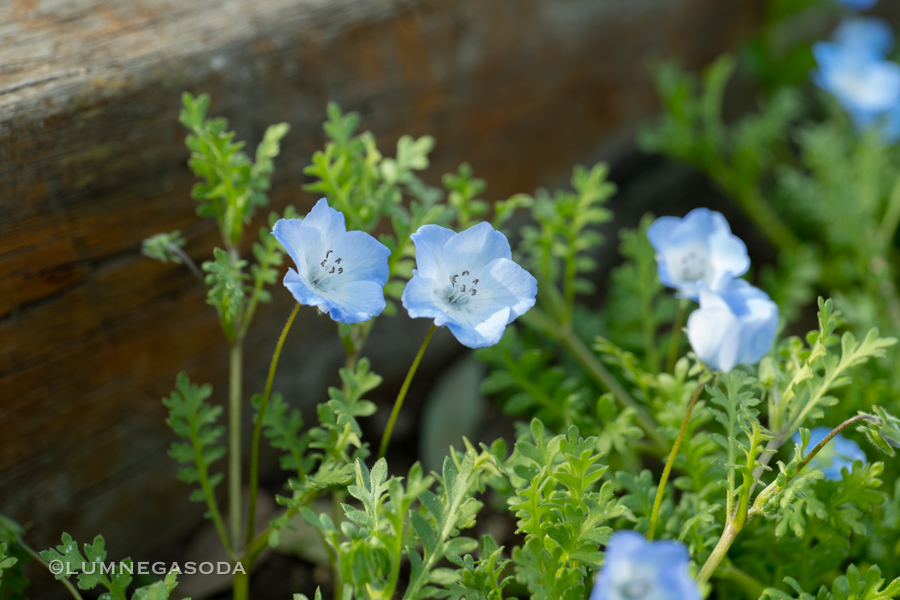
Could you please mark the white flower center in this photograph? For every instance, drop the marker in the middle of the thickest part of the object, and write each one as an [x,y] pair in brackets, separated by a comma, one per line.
[636,589]
[329,267]
[461,289]
[693,267]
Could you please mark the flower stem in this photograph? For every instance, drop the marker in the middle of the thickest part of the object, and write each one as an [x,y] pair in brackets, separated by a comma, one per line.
[241,585]
[234,444]
[337,514]
[718,552]
[654,516]
[68,584]
[257,428]
[386,438]
[676,336]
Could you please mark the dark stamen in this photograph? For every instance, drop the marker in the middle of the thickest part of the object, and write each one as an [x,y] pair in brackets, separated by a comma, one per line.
[473,291]
[323,262]
[340,270]
[338,261]
[465,273]
[327,253]
[331,271]
[453,279]
[463,290]
[475,282]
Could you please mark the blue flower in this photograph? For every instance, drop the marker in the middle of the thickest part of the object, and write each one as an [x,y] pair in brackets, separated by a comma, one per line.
[636,569]
[468,282]
[857,4]
[866,85]
[341,272]
[869,34]
[839,452]
[733,327]
[697,252]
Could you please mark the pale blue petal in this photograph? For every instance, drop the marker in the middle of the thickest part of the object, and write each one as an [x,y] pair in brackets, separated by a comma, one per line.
[858,4]
[420,298]
[658,569]
[355,301]
[504,283]
[473,248]
[361,256]
[302,293]
[430,241]
[342,273]
[870,33]
[480,333]
[326,220]
[289,233]
[697,252]
[308,240]
[660,232]
[735,326]
[727,254]
[713,331]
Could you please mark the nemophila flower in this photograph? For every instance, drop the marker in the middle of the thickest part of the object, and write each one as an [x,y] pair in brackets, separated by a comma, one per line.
[869,34]
[697,252]
[866,85]
[837,453]
[733,327]
[636,569]
[858,4]
[341,272]
[468,282]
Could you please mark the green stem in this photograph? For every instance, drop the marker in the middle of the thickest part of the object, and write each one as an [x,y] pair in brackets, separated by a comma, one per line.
[773,487]
[891,219]
[72,590]
[676,336]
[257,427]
[262,540]
[337,515]
[386,438]
[536,319]
[660,491]
[203,472]
[241,584]
[718,553]
[234,444]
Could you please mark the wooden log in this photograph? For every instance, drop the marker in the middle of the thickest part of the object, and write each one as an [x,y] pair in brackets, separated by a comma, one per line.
[92,160]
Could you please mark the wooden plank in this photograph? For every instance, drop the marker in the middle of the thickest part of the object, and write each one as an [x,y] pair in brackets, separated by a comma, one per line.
[92,160]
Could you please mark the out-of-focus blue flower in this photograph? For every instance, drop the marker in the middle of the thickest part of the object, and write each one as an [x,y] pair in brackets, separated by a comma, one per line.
[468,282]
[866,85]
[869,34]
[733,327]
[857,4]
[636,569]
[341,272]
[697,252]
[839,452]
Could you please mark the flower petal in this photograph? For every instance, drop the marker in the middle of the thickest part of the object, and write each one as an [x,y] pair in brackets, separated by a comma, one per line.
[355,301]
[504,283]
[430,241]
[480,333]
[302,293]
[473,248]
[362,257]
[712,332]
[306,240]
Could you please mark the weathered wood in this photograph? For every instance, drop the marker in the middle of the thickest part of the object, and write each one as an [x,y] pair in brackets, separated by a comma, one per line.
[92,160]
